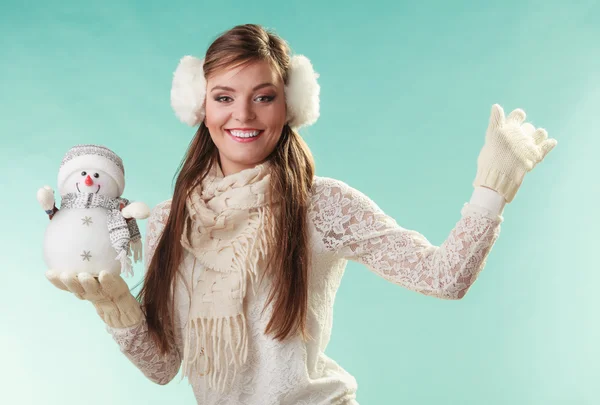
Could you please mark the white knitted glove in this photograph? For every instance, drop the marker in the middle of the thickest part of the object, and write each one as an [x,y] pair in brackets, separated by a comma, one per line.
[137,210]
[108,293]
[45,196]
[511,150]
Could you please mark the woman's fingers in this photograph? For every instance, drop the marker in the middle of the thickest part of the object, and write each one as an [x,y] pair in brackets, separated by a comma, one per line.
[91,286]
[113,285]
[541,140]
[103,291]
[54,278]
[496,117]
[71,282]
[528,129]
[517,115]
[548,145]
[86,286]
[539,136]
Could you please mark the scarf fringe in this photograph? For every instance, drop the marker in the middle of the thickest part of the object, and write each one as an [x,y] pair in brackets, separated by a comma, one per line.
[221,345]
[126,265]
[136,247]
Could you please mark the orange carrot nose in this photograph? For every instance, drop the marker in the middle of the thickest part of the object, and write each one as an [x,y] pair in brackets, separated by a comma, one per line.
[89,181]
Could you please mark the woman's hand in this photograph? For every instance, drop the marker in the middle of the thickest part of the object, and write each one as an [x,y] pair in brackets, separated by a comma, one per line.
[512,148]
[108,293]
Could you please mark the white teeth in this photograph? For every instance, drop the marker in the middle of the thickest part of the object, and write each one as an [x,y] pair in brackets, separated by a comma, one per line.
[244,134]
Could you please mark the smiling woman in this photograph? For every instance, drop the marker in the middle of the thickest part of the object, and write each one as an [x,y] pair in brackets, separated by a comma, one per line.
[243,263]
[246,116]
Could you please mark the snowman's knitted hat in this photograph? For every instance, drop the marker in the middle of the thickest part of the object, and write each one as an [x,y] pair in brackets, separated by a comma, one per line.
[81,157]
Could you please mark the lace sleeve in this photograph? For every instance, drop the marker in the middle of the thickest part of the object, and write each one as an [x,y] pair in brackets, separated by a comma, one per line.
[354,227]
[135,342]
[138,347]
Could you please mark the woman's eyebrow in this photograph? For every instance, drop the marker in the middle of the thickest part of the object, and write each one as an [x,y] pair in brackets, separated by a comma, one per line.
[260,86]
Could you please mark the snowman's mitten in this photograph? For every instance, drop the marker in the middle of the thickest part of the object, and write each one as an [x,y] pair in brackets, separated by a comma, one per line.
[108,293]
[137,210]
[45,197]
[511,150]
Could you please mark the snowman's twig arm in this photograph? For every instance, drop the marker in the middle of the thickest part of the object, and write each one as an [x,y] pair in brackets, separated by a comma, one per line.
[52,212]
[45,197]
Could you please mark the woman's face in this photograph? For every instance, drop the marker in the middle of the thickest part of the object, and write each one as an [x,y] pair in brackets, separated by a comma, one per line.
[245,114]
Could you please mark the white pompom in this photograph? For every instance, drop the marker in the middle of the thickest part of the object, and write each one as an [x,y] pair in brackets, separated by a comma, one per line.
[302,93]
[189,90]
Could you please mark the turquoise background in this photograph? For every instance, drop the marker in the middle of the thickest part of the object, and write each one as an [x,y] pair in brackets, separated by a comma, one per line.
[406,92]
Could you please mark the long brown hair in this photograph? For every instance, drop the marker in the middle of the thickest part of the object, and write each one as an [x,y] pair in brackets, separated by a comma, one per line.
[291,179]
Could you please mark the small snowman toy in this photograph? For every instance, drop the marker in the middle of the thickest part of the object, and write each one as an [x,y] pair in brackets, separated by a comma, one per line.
[94,229]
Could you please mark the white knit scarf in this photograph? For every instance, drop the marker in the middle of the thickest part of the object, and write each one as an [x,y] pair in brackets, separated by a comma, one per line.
[226,231]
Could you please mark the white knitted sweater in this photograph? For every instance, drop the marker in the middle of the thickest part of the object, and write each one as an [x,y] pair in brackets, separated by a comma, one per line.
[344,224]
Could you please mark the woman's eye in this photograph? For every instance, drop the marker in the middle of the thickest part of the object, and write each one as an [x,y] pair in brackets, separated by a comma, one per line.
[260,99]
[96,175]
[265,99]
[83,173]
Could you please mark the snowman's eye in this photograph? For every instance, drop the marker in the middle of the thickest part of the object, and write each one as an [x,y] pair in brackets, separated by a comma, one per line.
[96,175]
[83,173]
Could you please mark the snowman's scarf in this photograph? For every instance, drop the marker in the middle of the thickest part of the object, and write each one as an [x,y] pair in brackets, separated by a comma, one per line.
[123,234]
[226,231]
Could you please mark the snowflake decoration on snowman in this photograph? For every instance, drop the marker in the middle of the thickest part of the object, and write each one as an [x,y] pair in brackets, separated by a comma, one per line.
[95,228]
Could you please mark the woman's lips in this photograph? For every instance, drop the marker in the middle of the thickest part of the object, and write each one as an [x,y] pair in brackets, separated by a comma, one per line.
[244,140]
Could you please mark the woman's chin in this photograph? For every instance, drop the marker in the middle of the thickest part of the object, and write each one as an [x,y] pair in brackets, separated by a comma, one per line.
[240,163]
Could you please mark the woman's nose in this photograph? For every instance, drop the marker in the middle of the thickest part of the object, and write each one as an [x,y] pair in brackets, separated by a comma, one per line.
[244,111]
